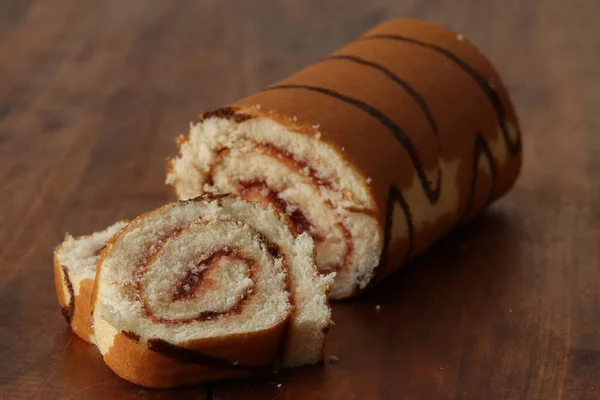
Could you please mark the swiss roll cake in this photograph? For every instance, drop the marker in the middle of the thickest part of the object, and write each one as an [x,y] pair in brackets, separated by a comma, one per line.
[210,288]
[375,151]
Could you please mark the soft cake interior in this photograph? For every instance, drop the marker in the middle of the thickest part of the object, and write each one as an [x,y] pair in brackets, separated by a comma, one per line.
[301,175]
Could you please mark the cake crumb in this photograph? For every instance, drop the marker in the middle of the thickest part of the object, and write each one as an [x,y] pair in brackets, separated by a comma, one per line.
[377,307]
[343,149]
[316,126]
[460,37]
[279,385]
[333,359]
[257,106]
[369,180]
[332,323]
[294,118]
[264,191]
[318,135]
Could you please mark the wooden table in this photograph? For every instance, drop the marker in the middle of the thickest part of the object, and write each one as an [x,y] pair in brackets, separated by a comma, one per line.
[92,95]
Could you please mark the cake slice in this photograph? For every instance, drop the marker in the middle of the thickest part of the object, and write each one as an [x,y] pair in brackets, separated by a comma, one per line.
[74,272]
[206,289]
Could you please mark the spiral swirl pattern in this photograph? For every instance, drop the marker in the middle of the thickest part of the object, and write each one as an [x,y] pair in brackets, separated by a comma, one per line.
[211,287]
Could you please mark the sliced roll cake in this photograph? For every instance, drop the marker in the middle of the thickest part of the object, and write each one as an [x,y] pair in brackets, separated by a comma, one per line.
[210,288]
[75,263]
[376,151]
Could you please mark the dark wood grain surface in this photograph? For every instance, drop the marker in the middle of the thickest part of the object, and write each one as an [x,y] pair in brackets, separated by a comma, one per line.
[92,95]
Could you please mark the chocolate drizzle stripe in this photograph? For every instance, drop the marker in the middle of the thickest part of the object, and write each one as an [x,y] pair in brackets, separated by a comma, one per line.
[514,147]
[481,149]
[132,335]
[226,113]
[432,193]
[189,356]
[395,196]
[412,92]
[68,311]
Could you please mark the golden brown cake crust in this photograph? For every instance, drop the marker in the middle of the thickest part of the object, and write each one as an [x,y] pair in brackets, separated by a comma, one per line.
[82,316]
[137,364]
[205,360]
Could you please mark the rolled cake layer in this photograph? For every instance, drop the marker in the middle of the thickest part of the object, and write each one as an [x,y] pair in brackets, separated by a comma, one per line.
[210,288]
[75,263]
[376,151]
